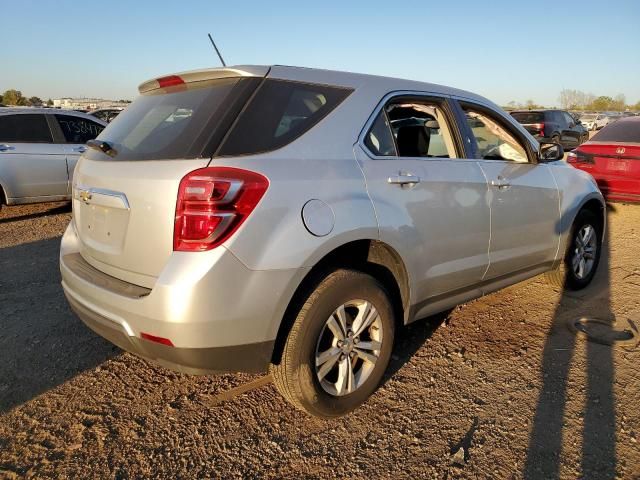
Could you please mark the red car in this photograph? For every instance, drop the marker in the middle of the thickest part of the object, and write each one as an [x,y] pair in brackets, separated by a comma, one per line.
[612,156]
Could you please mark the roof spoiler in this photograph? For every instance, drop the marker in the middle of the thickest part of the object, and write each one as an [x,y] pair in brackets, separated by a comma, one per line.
[202,75]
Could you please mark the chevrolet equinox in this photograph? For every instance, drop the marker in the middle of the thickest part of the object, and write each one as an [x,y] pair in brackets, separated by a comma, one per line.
[290,220]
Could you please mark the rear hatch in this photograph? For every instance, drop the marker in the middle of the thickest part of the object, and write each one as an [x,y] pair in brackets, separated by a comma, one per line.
[126,184]
[533,122]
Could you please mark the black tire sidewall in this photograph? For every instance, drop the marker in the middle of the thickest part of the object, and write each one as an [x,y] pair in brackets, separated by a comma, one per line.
[584,217]
[350,285]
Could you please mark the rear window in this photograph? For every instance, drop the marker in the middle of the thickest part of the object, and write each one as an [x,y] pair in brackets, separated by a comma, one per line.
[183,121]
[627,131]
[528,117]
[280,112]
[25,128]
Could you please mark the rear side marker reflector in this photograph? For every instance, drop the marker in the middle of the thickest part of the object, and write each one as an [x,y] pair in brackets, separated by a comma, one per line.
[160,340]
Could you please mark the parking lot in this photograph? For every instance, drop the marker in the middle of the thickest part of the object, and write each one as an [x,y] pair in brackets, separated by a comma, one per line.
[501,378]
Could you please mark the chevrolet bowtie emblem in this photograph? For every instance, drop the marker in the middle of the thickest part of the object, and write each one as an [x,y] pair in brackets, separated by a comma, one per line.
[85,195]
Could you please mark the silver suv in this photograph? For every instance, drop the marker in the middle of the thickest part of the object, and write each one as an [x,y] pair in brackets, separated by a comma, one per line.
[290,220]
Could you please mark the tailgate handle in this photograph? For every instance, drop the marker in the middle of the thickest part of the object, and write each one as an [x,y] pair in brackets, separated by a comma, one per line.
[101,197]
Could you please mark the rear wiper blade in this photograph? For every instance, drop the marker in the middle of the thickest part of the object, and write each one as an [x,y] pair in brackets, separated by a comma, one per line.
[102,146]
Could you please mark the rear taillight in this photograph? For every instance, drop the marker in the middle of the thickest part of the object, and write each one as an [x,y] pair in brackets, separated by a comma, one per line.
[579,157]
[540,128]
[212,203]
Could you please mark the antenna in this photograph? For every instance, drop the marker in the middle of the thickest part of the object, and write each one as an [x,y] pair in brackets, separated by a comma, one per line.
[217,51]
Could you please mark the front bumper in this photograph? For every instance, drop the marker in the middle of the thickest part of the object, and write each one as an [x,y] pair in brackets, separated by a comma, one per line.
[219,315]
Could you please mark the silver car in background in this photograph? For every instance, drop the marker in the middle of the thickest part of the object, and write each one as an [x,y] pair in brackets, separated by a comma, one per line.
[39,148]
[290,220]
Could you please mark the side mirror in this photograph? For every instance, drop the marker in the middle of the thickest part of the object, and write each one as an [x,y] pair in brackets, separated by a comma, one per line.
[550,152]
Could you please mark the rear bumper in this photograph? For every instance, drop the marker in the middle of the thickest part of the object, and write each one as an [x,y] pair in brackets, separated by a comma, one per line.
[219,315]
[253,358]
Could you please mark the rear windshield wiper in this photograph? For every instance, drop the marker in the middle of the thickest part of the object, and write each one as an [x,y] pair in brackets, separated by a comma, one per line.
[102,146]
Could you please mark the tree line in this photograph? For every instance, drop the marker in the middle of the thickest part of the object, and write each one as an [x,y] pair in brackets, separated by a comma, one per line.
[15,98]
[579,100]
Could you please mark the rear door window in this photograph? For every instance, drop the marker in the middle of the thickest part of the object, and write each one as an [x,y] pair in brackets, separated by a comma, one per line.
[25,128]
[527,118]
[411,127]
[78,129]
[280,112]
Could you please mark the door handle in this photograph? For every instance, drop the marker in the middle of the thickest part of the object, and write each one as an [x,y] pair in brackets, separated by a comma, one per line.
[80,149]
[404,179]
[4,147]
[501,182]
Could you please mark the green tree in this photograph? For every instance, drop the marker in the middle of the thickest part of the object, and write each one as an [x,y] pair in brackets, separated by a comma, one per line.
[50,103]
[34,101]
[602,103]
[13,97]
[0,98]
[530,105]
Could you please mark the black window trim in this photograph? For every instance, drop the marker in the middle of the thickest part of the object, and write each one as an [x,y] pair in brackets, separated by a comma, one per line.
[439,99]
[503,120]
[53,138]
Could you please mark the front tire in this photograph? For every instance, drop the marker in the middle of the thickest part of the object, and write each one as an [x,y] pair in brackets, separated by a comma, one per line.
[339,345]
[582,255]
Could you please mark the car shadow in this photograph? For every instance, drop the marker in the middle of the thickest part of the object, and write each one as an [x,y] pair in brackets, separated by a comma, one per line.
[410,338]
[42,343]
[545,451]
[65,208]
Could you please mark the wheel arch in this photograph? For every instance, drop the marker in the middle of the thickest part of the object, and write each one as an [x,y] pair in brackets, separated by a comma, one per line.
[594,203]
[373,257]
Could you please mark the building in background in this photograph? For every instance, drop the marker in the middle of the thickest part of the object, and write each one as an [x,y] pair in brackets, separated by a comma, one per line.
[86,103]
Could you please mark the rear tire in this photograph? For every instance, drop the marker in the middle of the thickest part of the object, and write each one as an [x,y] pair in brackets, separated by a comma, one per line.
[323,375]
[582,256]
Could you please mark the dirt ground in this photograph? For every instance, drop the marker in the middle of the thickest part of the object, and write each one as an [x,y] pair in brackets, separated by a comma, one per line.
[501,388]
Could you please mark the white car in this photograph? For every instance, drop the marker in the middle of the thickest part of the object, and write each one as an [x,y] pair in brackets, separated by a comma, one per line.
[594,121]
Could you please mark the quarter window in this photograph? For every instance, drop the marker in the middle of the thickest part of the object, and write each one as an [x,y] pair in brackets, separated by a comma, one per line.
[25,128]
[78,129]
[279,113]
[493,140]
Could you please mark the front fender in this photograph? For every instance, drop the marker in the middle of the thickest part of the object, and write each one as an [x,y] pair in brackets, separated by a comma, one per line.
[576,188]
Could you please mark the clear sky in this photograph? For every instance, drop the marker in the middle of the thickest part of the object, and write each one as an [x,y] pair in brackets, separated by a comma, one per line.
[505,50]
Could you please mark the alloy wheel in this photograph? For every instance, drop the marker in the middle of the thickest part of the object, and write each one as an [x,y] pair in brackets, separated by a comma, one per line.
[348,347]
[584,253]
